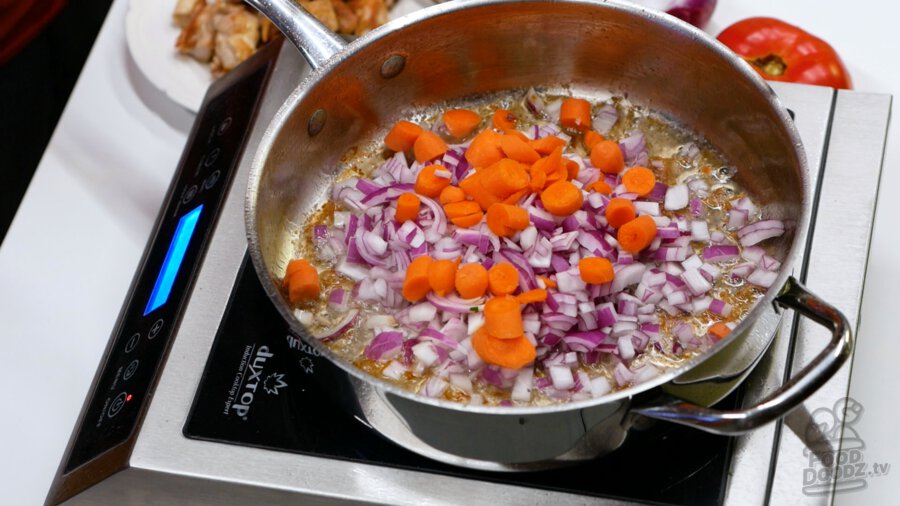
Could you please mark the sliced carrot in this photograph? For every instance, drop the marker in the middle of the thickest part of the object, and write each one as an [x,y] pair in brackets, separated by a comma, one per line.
[402,136]
[575,113]
[538,175]
[562,198]
[503,120]
[546,145]
[601,186]
[504,178]
[292,267]
[428,146]
[503,279]
[463,208]
[471,281]
[719,329]
[408,205]
[536,295]
[639,180]
[416,284]
[520,135]
[515,197]
[503,317]
[572,169]
[484,149]
[430,182]
[302,281]
[637,234]
[596,270]
[591,137]
[468,221]
[554,167]
[607,156]
[508,353]
[505,220]
[473,188]
[619,211]
[518,149]
[464,214]
[451,194]
[549,283]
[442,276]
[461,122]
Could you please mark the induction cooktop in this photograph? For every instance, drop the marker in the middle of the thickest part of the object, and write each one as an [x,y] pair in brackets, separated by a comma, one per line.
[205,397]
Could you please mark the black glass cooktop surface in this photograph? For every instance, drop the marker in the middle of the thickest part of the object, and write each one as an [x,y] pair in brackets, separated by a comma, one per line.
[264,388]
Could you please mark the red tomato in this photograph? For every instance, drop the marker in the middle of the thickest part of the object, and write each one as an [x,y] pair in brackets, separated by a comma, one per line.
[779,51]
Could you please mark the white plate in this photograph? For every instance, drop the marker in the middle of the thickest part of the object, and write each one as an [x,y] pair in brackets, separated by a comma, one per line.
[151,35]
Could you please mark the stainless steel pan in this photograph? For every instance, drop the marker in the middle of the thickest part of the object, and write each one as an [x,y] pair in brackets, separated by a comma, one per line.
[463,49]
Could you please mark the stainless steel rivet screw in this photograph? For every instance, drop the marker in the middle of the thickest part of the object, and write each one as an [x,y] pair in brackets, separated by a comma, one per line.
[392,66]
[316,122]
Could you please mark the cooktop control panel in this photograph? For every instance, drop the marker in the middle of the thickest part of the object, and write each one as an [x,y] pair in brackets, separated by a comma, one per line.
[154,305]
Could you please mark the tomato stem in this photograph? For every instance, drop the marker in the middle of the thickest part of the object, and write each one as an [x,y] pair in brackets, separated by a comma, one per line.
[771,64]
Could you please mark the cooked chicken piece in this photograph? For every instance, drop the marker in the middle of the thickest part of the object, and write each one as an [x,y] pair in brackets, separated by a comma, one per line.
[371,14]
[323,10]
[183,11]
[237,36]
[267,30]
[346,18]
[197,36]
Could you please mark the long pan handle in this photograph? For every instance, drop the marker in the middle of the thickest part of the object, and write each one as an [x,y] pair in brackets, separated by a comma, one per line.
[793,295]
[316,42]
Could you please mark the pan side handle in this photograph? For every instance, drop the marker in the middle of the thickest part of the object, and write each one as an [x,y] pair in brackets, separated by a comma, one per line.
[312,38]
[795,296]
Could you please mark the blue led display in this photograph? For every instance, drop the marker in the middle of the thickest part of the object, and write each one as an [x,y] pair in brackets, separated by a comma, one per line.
[174,256]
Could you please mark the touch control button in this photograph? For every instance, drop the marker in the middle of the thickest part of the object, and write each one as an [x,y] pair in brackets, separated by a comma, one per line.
[116,405]
[211,180]
[189,194]
[132,342]
[130,370]
[154,330]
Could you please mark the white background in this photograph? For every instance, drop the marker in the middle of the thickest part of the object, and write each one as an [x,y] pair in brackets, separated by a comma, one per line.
[68,259]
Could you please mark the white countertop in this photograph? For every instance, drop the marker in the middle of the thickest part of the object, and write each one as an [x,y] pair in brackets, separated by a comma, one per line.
[69,256]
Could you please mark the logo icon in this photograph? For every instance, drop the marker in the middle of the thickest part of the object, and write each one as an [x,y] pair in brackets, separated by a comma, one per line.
[306,364]
[273,382]
[835,451]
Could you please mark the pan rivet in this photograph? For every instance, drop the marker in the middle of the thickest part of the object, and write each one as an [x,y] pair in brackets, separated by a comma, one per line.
[392,66]
[316,122]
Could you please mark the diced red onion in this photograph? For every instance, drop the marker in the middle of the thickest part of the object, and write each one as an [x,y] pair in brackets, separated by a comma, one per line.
[622,375]
[677,197]
[605,118]
[760,231]
[719,307]
[696,207]
[384,346]
[768,263]
[422,312]
[535,104]
[762,278]
[562,378]
[438,338]
[737,218]
[584,341]
[721,253]
[338,299]
[645,373]
[626,347]
[627,276]
[644,207]
[633,147]
[345,323]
